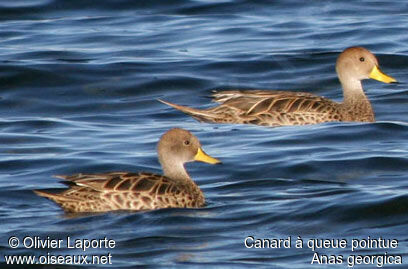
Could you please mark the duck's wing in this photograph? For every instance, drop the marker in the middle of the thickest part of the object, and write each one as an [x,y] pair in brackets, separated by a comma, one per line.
[274,108]
[224,96]
[258,101]
[119,191]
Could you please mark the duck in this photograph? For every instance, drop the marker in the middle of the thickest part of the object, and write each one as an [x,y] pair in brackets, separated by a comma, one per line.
[111,191]
[283,108]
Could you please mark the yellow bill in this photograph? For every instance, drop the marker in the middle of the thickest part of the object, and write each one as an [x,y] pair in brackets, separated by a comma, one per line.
[377,74]
[203,157]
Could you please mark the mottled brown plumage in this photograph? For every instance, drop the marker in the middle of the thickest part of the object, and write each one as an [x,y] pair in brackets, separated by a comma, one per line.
[276,108]
[103,192]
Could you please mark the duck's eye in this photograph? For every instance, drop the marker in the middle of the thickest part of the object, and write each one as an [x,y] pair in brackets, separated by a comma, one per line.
[362,59]
[186,142]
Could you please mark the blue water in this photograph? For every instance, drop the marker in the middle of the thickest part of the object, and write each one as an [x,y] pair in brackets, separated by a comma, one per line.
[79,83]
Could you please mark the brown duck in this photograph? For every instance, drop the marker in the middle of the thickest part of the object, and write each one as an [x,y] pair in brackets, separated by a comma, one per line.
[277,108]
[139,191]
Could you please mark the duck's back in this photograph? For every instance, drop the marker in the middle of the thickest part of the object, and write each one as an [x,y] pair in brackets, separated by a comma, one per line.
[275,108]
[123,191]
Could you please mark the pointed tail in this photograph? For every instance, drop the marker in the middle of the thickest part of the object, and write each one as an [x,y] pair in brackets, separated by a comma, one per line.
[43,194]
[56,197]
[198,114]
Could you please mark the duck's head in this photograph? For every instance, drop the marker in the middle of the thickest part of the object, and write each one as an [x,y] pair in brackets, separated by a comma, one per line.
[181,146]
[358,63]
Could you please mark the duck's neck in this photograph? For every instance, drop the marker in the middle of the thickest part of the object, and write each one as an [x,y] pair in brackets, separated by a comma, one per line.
[176,172]
[356,102]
